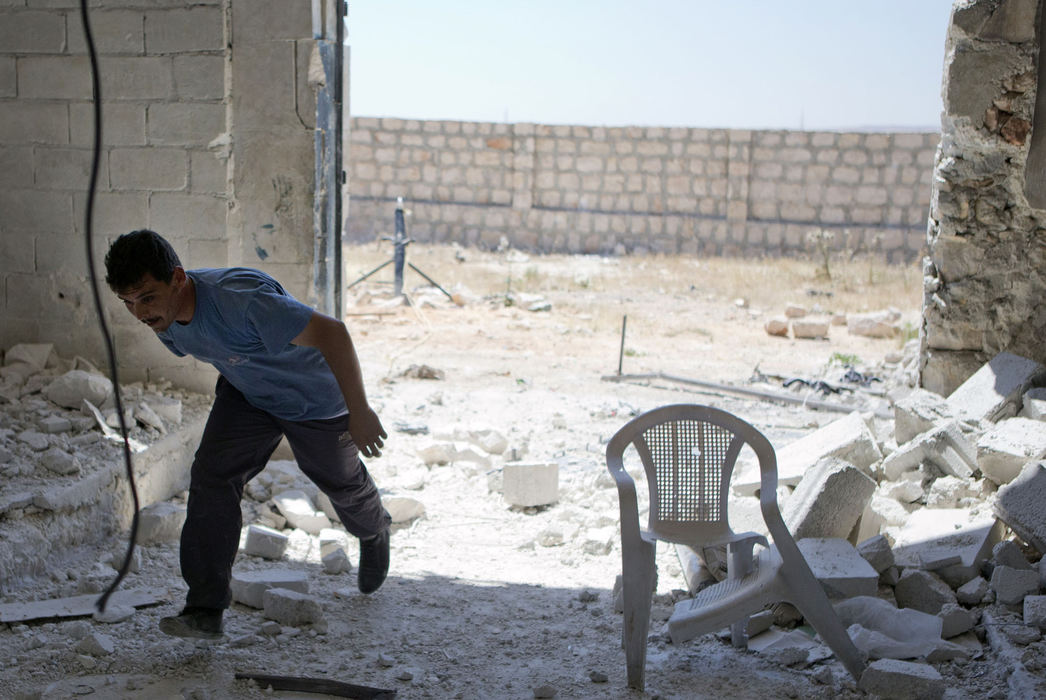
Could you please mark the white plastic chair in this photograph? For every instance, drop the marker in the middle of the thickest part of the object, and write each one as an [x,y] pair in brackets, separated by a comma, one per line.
[688,452]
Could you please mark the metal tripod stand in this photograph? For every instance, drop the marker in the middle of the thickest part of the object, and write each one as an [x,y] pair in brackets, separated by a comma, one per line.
[399,258]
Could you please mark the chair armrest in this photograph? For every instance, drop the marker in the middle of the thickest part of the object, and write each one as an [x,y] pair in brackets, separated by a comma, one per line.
[739,551]
[628,502]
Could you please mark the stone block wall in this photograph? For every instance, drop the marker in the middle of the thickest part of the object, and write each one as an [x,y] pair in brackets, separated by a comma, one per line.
[985,277]
[181,155]
[584,189]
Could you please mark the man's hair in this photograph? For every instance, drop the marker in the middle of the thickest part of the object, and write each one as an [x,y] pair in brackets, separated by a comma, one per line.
[135,254]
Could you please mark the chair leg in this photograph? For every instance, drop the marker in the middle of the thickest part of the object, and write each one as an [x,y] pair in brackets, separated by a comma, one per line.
[815,607]
[638,585]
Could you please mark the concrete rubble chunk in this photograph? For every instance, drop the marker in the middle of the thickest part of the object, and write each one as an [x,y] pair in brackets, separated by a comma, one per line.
[36,355]
[1019,504]
[37,441]
[1003,451]
[96,644]
[1034,404]
[248,587]
[972,592]
[918,412]
[811,328]
[842,572]
[874,324]
[923,591]
[944,536]
[300,512]
[995,390]
[777,326]
[336,562]
[437,453]
[166,407]
[950,492]
[291,608]
[332,538]
[160,522]
[1035,611]
[265,542]
[1007,553]
[955,620]
[944,446]
[877,552]
[530,483]
[403,509]
[72,388]
[902,624]
[144,414]
[1012,585]
[59,461]
[893,678]
[55,424]
[848,438]
[828,500]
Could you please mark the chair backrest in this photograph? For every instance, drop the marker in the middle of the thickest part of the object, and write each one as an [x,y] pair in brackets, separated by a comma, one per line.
[688,452]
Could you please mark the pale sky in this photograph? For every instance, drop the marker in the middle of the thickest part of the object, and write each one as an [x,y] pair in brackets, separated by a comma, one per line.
[774,64]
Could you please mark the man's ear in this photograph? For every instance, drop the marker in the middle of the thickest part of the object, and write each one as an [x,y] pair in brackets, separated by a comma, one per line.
[179,275]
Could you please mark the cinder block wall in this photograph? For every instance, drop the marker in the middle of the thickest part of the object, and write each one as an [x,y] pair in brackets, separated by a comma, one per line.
[584,189]
[985,278]
[173,136]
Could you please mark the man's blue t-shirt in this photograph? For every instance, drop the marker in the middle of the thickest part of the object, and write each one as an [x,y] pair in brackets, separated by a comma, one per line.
[243,324]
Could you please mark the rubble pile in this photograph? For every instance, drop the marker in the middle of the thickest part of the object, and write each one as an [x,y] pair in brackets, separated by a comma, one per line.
[61,459]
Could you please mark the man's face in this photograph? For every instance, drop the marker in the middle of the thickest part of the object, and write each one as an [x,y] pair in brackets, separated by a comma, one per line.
[153,302]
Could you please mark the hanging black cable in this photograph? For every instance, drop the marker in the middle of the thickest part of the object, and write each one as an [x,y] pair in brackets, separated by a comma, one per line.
[96,92]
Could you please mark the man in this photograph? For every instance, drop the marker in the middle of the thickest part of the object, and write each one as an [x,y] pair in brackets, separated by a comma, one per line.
[285,369]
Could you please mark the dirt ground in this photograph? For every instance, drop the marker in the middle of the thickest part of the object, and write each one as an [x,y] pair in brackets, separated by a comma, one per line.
[489,601]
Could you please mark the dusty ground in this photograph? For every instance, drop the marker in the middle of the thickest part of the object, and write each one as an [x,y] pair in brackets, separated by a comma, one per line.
[483,600]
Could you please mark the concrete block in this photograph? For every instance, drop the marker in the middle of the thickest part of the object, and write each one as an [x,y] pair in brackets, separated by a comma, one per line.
[184,31]
[944,446]
[72,388]
[943,534]
[955,620]
[923,591]
[291,608]
[54,77]
[994,391]
[877,552]
[265,542]
[842,572]
[160,522]
[185,123]
[403,509]
[331,539]
[1019,505]
[1035,611]
[199,77]
[1003,451]
[58,461]
[124,124]
[907,489]
[148,169]
[778,326]
[848,438]
[1007,553]
[248,587]
[1034,404]
[8,77]
[918,412]
[530,484]
[972,592]
[828,501]
[297,507]
[875,324]
[336,562]
[810,328]
[55,424]
[893,678]
[1012,585]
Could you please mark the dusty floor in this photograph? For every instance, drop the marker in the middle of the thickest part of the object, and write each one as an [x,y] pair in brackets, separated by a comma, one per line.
[481,601]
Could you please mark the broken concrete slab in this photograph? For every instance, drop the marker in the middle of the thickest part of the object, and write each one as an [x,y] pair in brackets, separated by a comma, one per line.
[944,446]
[300,512]
[1034,404]
[994,391]
[923,591]
[1012,585]
[919,411]
[874,324]
[160,522]
[955,620]
[972,592]
[248,587]
[877,552]
[848,438]
[403,509]
[1004,450]
[907,625]
[943,534]
[291,608]
[76,606]
[893,678]
[811,328]
[530,484]
[71,389]
[331,539]
[1035,611]
[1007,553]
[265,542]
[336,562]
[829,500]
[1019,504]
[842,572]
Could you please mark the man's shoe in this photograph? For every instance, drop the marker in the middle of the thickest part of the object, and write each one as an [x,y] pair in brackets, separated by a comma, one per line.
[195,623]
[374,562]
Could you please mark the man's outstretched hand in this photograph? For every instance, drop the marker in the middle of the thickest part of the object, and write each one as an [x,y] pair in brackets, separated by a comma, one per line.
[366,431]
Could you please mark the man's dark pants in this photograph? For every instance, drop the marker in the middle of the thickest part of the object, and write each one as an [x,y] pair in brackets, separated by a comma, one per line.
[236,444]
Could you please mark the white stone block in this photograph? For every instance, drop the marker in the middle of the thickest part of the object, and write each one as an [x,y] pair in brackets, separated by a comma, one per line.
[160,522]
[848,438]
[875,324]
[336,562]
[918,412]
[1019,504]
[530,484]
[248,587]
[331,539]
[297,507]
[944,446]
[943,534]
[1034,404]
[828,501]
[877,552]
[403,509]
[994,391]
[972,592]
[811,328]
[923,591]
[955,620]
[1035,611]
[1012,585]
[70,389]
[842,572]
[265,542]
[55,424]
[291,608]
[893,678]
[1003,451]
